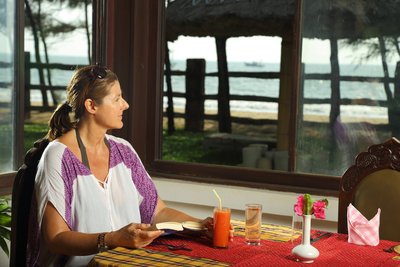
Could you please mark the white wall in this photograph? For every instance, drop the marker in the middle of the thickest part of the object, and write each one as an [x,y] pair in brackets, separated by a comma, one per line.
[198,200]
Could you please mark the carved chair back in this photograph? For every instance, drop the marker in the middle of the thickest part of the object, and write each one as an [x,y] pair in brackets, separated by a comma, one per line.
[374,182]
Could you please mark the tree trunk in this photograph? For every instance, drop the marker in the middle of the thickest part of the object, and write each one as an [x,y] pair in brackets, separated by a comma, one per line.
[27,95]
[224,114]
[29,14]
[392,108]
[88,31]
[335,100]
[170,104]
[396,44]
[395,109]
[335,84]
[43,39]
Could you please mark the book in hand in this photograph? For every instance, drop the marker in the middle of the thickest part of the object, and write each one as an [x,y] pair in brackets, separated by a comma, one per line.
[170,227]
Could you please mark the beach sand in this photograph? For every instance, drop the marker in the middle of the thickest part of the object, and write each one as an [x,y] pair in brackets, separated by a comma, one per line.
[252,130]
[267,131]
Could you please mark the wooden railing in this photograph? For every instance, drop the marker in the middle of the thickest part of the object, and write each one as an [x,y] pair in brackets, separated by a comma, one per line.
[45,85]
[45,106]
[236,74]
[275,75]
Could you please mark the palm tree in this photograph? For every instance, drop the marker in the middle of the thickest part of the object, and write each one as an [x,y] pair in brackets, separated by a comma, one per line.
[35,33]
[43,25]
[86,25]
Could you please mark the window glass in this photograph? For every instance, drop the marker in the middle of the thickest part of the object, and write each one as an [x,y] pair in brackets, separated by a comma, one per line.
[7,84]
[222,87]
[54,46]
[349,92]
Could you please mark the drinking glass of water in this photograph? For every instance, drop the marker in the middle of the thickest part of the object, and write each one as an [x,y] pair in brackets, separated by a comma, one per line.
[253,214]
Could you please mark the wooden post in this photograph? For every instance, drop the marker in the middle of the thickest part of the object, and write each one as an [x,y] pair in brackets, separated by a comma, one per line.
[300,114]
[386,86]
[335,102]
[195,77]
[335,83]
[285,93]
[170,103]
[224,112]
[27,98]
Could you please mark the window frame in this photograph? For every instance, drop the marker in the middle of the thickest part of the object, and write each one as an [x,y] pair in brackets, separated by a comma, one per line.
[19,76]
[7,178]
[140,70]
[134,33]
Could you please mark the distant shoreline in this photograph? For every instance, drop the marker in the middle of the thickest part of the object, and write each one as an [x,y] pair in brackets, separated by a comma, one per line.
[43,117]
[307,117]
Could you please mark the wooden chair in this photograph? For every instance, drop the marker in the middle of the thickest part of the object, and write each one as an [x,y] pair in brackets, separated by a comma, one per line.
[374,182]
[21,203]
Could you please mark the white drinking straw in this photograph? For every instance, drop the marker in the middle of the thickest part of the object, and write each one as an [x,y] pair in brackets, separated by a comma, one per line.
[219,199]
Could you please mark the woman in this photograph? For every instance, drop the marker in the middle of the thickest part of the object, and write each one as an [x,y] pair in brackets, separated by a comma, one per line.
[92,190]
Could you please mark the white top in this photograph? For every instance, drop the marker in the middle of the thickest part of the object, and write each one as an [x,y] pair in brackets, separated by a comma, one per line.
[128,196]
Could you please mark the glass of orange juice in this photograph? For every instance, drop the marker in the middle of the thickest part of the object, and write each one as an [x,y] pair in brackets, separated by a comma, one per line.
[222,224]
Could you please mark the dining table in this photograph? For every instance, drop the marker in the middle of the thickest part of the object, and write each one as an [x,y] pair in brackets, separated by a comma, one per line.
[277,242]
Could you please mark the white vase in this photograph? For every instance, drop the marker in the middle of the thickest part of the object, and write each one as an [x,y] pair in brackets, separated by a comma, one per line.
[306,252]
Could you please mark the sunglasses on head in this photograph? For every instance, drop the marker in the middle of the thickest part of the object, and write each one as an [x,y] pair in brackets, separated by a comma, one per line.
[98,72]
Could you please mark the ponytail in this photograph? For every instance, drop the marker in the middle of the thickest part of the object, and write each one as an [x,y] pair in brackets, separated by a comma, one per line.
[60,121]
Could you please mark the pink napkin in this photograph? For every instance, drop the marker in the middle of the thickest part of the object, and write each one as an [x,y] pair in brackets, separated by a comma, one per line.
[361,231]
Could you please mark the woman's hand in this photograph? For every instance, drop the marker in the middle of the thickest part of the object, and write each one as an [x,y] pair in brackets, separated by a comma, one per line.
[134,235]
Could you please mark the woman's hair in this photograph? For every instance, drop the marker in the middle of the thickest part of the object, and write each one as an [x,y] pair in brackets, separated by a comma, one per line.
[90,82]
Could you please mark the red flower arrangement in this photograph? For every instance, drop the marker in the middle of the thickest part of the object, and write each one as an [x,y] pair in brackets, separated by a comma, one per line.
[306,206]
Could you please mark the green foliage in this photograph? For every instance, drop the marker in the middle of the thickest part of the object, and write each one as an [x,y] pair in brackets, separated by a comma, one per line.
[5,224]
[33,132]
[177,145]
[187,146]
[6,135]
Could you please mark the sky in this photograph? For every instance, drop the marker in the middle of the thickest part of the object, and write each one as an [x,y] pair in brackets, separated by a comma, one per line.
[188,47]
[5,44]
[261,49]
[237,49]
[68,46]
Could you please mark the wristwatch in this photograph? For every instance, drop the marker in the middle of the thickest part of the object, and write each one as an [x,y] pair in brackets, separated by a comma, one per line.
[101,243]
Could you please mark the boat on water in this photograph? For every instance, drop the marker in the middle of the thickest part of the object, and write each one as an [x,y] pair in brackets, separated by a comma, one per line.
[254,64]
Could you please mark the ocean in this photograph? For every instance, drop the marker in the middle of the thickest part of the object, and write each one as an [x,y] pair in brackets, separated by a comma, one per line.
[250,86]
[319,89]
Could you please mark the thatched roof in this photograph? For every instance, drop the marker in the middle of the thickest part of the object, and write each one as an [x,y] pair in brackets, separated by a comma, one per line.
[330,18]
[229,18]
[360,19]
